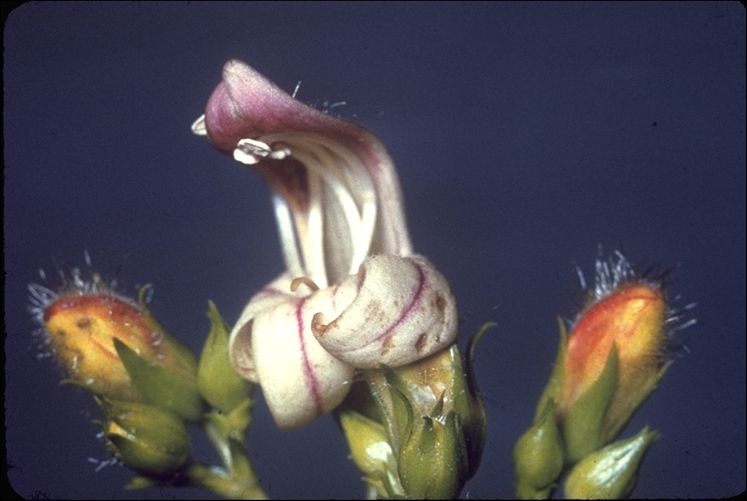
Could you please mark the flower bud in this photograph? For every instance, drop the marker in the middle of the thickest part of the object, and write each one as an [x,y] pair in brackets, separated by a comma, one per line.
[612,363]
[145,438]
[81,325]
[612,360]
[611,472]
[539,457]
[371,452]
[435,421]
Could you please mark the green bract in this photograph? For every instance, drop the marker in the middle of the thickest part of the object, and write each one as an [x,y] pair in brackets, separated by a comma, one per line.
[216,379]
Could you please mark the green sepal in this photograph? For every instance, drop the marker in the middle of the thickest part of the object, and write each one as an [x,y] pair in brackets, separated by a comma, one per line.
[613,427]
[553,386]
[401,426]
[438,409]
[233,425]
[219,384]
[539,457]
[610,472]
[432,462]
[184,357]
[468,402]
[583,423]
[168,390]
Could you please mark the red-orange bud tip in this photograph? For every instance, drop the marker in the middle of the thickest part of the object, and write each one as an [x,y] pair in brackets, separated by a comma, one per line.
[631,318]
[80,325]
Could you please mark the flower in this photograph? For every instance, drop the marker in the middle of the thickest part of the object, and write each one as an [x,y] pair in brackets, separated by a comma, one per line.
[632,321]
[353,295]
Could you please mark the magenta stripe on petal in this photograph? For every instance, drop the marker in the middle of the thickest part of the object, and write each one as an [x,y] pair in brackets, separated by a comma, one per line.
[406,312]
[309,376]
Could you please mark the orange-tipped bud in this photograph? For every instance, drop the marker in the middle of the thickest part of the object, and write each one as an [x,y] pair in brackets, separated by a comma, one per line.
[81,325]
[605,370]
[632,319]
[612,360]
[81,329]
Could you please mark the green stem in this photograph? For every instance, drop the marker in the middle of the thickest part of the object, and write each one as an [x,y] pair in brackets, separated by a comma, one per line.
[236,479]
[221,482]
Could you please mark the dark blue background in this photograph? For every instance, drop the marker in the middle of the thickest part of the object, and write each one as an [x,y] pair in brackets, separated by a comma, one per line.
[524,134]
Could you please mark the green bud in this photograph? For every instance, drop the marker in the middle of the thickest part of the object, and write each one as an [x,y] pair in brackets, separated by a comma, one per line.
[368,443]
[219,384]
[371,452]
[539,457]
[145,438]
[432,462]
[610,472]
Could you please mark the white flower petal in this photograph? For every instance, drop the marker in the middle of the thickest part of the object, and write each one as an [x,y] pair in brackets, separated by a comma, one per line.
[404,311]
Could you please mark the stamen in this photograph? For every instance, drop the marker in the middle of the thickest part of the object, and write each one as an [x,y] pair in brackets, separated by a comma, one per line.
[251,151]
[312,240]
[305,281]
[338,168]
[287,236]
[359,180]
[198,127]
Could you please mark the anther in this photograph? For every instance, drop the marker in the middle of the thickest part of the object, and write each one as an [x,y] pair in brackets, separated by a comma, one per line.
[303,280]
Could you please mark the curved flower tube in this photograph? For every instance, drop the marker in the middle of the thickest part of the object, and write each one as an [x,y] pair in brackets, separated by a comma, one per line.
[353,296]
[331,179]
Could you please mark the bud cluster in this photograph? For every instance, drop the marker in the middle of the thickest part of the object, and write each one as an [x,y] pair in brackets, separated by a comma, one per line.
[149,385]
[609,364]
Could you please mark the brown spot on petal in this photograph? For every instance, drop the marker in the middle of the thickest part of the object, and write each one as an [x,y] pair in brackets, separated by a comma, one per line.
[440,303]
[84,323]
[386,345]
[421,342]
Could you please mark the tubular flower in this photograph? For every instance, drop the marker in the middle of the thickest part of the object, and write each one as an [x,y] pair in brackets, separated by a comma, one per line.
[353,295]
